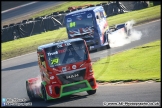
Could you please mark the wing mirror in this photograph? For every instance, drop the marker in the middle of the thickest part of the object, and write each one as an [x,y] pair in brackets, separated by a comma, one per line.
[97,17]
[42,59]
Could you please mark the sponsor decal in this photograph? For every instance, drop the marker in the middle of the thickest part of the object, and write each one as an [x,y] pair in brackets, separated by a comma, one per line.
[72,24]
[64,44]
[89,15]
[79,17]
[80,31]
[64,69]
[62,51]
[53,53]
[74,67]
[69,20]
[50,89]
[72,76]
[54,61]
[52,77]
[57,70]
[78,13]
[53,82]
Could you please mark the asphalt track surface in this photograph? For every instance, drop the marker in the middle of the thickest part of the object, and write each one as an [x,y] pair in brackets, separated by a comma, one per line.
[24,10]
[16,70]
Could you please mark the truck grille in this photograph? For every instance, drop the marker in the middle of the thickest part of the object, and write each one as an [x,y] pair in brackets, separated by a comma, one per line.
[72,76]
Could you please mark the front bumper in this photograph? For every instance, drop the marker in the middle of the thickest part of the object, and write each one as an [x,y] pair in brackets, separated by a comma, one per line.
[75,87]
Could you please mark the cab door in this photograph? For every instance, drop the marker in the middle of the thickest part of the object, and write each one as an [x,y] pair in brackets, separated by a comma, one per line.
[43,68]
[102,26]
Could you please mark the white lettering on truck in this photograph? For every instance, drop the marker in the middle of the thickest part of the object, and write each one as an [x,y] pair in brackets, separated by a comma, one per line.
[49,54]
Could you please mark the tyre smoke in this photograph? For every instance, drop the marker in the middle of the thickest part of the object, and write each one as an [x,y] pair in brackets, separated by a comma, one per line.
[120,37]
[37,84]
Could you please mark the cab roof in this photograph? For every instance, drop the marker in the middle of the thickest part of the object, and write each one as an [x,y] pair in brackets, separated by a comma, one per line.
[58,42]
[85,9]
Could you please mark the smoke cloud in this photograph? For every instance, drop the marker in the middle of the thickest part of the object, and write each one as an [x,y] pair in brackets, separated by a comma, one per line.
[120,38]
[37,84]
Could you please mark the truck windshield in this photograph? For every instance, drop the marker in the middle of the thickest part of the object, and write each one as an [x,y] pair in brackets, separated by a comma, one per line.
[80,23]
[66,53]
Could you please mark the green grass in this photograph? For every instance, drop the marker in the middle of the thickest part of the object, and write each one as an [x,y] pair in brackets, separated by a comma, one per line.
[64,7]
[141,63]
[29,44]
[139,16]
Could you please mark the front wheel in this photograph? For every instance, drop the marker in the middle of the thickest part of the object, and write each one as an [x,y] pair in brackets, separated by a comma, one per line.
[44,93]
[91,92]
[29,92]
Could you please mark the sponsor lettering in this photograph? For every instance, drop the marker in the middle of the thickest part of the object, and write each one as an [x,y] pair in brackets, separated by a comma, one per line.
[69,20]
[78,13]
[64,44]
[72,76]
[50,89]
[62,51]
[89,15]
[54,53]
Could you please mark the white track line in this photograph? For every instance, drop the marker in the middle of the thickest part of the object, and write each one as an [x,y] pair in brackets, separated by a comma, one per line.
[17,7]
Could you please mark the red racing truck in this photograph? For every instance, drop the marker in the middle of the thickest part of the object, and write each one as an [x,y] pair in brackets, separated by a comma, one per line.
[65,69]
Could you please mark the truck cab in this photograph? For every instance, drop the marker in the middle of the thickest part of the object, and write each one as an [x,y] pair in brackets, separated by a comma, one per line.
[65,68]
[89,24]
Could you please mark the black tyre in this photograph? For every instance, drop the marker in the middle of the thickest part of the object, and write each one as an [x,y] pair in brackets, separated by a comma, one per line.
[44,93]
[29,92]
[91,92]
[108,46]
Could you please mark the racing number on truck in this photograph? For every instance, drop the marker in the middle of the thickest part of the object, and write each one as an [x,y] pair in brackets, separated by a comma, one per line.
[72,24]
[54,61]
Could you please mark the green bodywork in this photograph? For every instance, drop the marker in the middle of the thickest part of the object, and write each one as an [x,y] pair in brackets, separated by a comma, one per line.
[88,87]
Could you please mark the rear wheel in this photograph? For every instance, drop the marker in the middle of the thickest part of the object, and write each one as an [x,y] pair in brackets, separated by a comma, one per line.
[108,46]
[91,92]
[44,93]
[29,92]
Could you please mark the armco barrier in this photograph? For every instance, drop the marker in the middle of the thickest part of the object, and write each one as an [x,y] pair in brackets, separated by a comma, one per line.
[56,20]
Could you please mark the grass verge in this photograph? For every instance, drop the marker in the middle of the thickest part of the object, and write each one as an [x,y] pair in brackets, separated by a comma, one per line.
[29,44]
[65,6]
[141,63]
